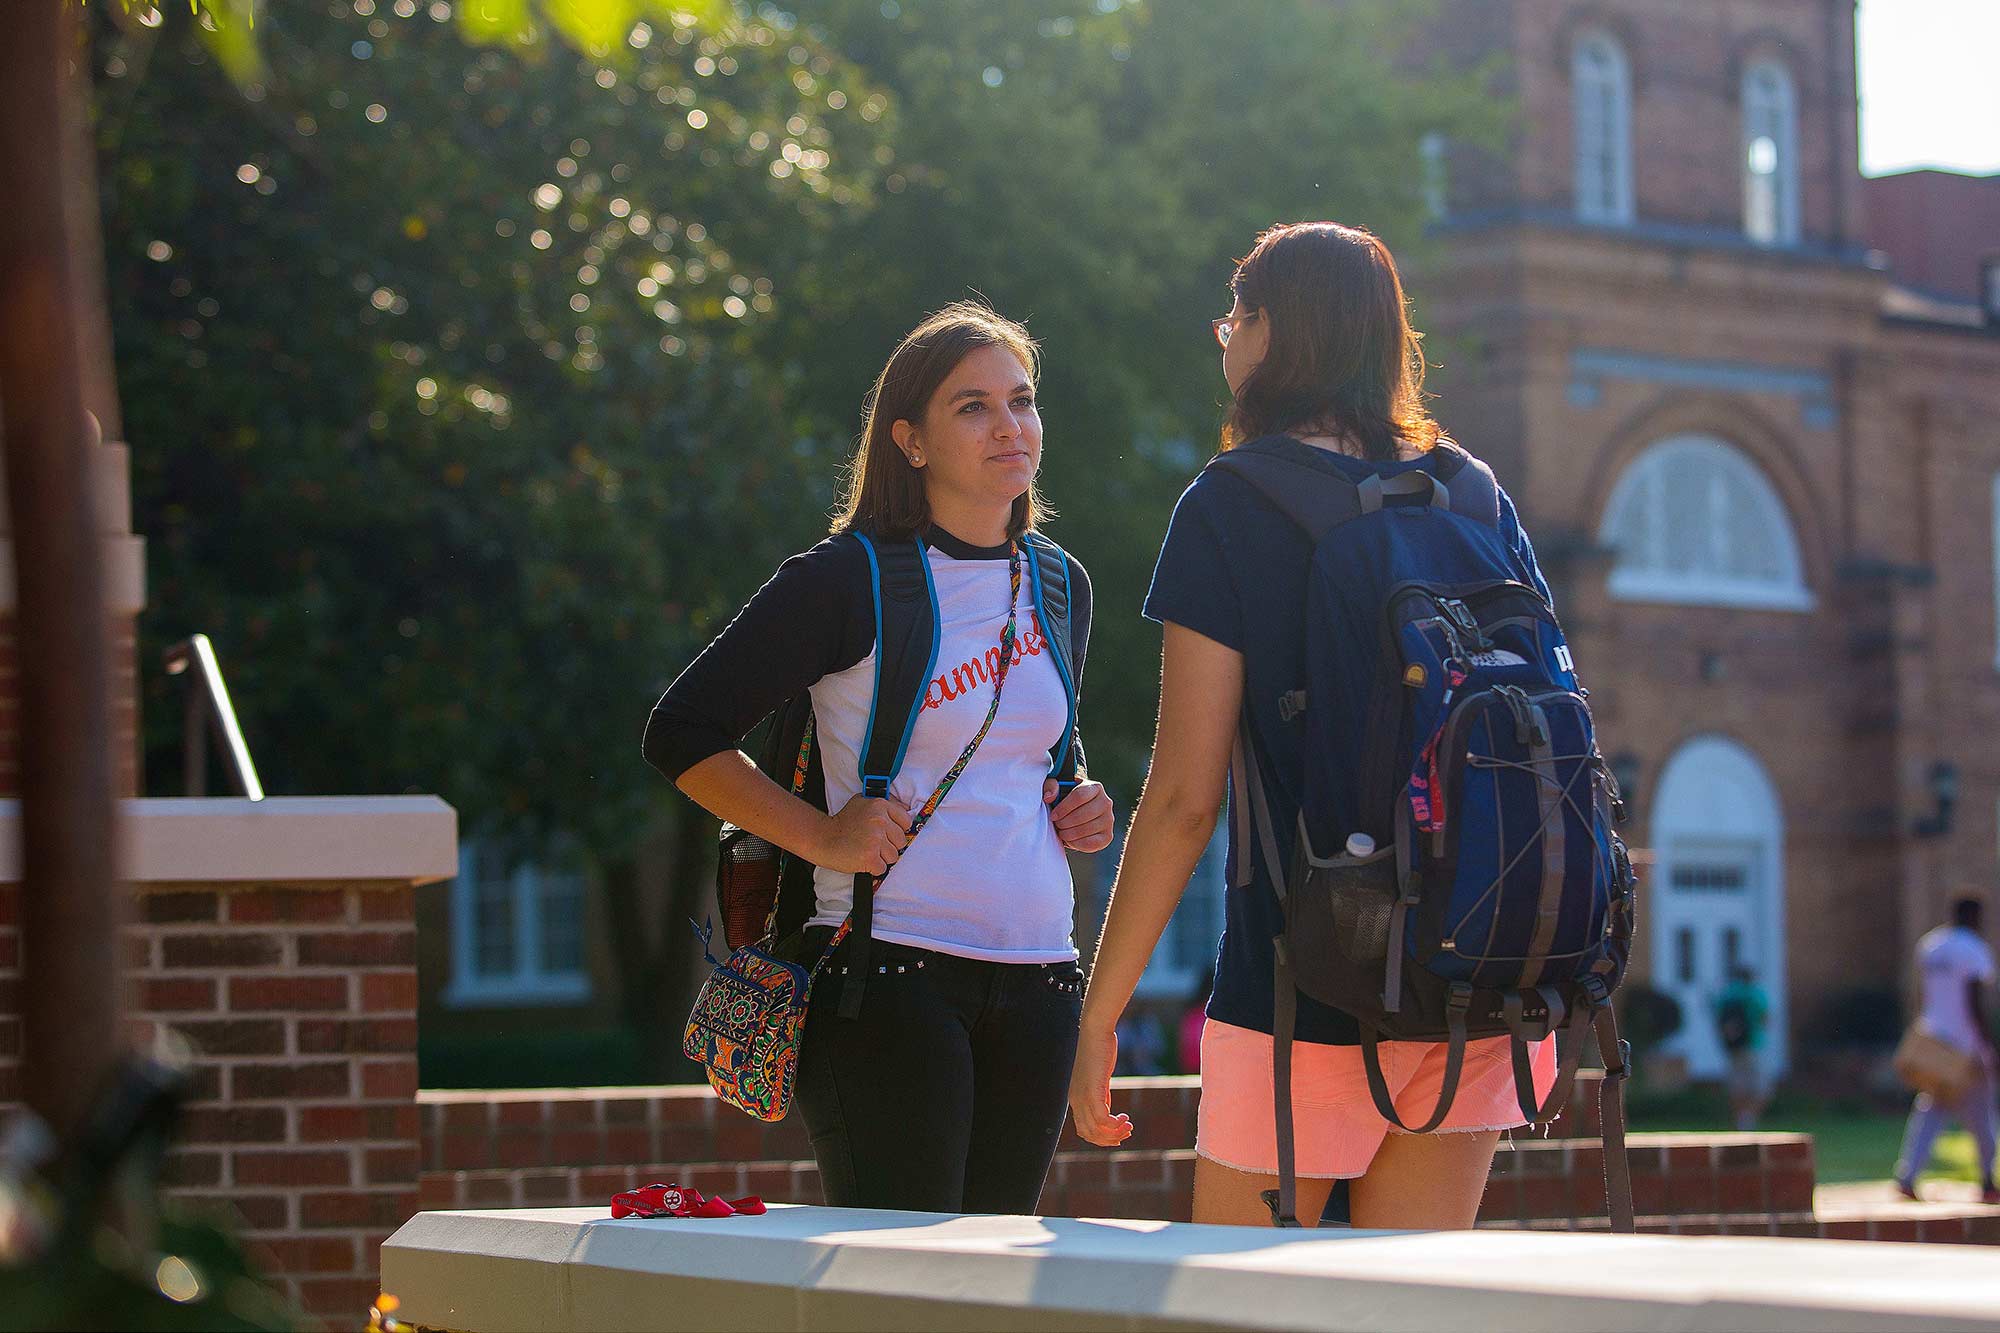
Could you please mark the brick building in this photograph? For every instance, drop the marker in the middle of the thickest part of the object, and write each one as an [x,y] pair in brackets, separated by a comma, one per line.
[1755,431]
[1762,471]
[1941,230]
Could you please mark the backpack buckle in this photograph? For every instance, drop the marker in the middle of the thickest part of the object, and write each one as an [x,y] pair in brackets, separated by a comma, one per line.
[1524,718]
[1460,998]
[1291,704]
[875,789]
[1461,615]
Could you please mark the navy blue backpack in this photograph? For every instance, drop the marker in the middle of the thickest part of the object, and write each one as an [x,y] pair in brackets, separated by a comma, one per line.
[1455,873]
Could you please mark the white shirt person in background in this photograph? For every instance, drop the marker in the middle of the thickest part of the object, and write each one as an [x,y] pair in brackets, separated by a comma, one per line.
[1957,966]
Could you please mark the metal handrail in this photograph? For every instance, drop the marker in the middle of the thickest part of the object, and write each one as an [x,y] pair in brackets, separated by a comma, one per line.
[206,707]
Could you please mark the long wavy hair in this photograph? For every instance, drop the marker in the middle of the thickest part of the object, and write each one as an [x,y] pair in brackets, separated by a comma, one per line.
[1342,359]
[884,495]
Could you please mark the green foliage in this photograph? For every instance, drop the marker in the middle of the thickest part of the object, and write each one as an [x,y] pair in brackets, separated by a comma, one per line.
[460,424]
[455,501]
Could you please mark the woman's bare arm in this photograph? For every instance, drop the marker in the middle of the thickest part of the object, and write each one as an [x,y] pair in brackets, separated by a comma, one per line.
[1201,695]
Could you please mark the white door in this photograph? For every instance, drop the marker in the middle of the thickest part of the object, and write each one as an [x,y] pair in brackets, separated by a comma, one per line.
[1708,917]
[1717,895]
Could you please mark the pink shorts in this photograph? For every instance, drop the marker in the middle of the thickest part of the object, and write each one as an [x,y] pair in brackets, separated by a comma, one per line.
[1337,1128]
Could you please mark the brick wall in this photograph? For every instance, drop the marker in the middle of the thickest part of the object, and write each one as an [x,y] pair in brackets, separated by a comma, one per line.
[300,1004]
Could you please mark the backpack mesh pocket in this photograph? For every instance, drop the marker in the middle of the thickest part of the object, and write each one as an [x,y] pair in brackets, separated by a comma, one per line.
[1338,926]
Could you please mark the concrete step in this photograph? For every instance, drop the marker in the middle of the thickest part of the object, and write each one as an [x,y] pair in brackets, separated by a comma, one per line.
[561,1269]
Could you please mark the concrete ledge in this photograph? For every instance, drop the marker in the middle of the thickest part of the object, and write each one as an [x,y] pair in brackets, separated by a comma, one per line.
[280,840]
[561,1269]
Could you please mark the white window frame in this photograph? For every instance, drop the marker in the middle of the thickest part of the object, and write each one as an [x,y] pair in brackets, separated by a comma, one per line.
[1601,141]
[1730,467]
[530,982]
[1770,111]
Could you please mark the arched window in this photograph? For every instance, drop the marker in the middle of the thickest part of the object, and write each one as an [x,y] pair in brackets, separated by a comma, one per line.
[1693,521]
[1770,155]
[1601,96]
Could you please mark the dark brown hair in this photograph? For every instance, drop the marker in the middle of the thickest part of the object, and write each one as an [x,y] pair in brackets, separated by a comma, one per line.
[1342,357]
[885,495]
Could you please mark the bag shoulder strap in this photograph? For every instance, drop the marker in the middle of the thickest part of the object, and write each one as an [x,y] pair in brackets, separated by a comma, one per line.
[1318,500]
[1048,574]
[907,635]
[1315,499]
[1475,492]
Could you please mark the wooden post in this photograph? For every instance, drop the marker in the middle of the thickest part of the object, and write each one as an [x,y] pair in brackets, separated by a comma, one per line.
[70,910]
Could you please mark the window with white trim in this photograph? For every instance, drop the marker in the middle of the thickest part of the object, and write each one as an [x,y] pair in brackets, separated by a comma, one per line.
[1601,105]
[1694,521]
[1770,155]
[516,931]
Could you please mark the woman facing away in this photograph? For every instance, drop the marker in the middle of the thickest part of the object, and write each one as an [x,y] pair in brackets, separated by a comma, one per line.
[1317,348]
[945,1092]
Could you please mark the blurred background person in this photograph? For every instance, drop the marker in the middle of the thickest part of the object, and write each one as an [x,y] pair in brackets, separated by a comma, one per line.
[1956,965]
[1741,1014]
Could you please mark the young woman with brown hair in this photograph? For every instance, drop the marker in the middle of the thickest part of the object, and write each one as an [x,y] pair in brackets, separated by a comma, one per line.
[1316,349]
[945,1092]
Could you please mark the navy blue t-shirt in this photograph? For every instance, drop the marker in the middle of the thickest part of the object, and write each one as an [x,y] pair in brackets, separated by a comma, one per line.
[1233,569]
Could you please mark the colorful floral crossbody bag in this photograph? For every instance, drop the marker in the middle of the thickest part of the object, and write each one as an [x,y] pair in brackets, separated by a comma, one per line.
[749,1020]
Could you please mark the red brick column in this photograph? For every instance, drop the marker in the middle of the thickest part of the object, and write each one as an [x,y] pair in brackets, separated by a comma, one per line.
[10,708]
[300,1002]
[124,651]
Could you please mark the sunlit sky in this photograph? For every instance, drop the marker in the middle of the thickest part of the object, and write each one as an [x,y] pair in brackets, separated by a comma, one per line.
[1930,89]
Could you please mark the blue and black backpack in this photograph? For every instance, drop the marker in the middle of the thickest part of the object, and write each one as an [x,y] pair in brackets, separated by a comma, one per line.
[1455,873]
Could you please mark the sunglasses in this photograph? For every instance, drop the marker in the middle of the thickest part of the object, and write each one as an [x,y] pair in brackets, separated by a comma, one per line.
[1225,327]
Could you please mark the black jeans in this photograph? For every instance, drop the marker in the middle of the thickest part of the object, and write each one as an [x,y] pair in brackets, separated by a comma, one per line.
[947,1092]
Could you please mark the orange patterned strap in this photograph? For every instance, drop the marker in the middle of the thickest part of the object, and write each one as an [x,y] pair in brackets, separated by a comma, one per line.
[799,767]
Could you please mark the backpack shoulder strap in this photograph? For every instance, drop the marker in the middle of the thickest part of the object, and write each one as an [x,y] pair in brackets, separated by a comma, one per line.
[1475,492]
[1314,499]
[907,634]
[906,650]
[1048,574]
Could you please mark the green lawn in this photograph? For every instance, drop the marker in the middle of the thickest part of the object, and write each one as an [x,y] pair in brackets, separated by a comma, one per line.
[1850,1141]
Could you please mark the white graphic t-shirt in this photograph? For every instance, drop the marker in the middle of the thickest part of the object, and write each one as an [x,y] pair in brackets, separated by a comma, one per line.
[986,877]
[1950,957]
